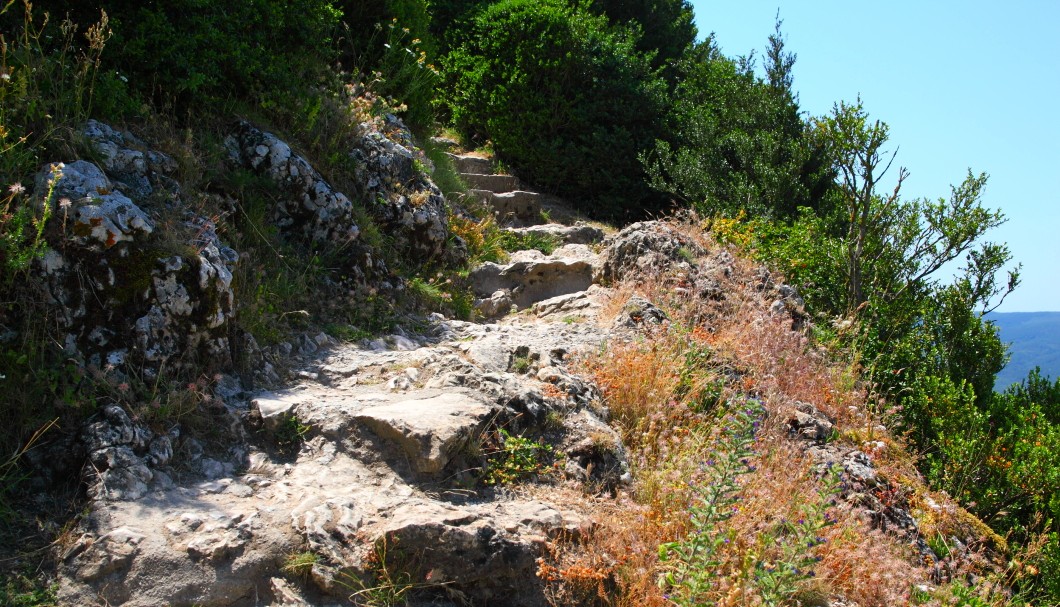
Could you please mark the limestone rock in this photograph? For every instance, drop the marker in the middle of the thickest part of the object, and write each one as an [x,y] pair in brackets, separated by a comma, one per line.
[647,248]
[310,207]
[515,208]
[484,557]
[467,163]
[117,291]
[531,276]
[138,171]
[576,234]
[430,428]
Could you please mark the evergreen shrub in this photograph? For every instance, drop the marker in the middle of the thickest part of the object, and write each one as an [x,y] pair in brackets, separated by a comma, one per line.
[566,100]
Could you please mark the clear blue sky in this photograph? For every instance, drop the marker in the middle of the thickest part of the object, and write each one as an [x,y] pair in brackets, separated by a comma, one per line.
[971,84]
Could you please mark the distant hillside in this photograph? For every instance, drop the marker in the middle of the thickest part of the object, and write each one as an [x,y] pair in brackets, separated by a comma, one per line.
[1034,339]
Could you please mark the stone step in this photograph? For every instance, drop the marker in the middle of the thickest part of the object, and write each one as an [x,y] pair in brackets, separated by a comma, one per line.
[429,427]
[492,183]
[531,276]
[516,208]
[471,164]
[576,234]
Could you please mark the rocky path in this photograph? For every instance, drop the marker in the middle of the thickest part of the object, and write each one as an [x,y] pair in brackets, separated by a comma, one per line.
[375,456]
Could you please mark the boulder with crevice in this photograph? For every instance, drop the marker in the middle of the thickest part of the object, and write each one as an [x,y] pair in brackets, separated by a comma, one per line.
[531,276]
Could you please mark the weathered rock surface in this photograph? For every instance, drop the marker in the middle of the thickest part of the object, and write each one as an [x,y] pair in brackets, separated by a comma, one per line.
[374,457]
[310,206]
[119,288]
[576,234]
[515,208]
[397,190]
[372,471]
[531,276]
[648,248]
[470,164]
[428,427]
[136,169]
[491,183]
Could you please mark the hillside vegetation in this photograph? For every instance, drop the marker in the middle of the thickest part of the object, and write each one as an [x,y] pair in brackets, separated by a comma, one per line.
[618,109]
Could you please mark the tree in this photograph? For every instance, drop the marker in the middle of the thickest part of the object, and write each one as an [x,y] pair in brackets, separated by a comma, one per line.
[893,247]
[738,143]
[667,29]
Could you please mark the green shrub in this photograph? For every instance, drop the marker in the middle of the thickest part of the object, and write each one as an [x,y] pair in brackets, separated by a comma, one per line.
[566,100]
[195,53]
[518,458]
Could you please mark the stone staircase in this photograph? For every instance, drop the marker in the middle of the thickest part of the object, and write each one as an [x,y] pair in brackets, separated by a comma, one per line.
[529,276]
[512,206]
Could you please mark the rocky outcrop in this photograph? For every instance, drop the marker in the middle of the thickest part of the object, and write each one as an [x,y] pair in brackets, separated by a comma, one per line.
[136,169]
[531,276]
[119,288]
[309,206]
[649,249]
[390,444]
[397,189]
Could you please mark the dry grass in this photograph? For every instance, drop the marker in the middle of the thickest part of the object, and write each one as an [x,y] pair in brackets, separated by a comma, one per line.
[660,388]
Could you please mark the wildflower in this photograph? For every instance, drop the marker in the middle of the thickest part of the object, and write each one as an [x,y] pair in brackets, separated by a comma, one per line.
[123,387]
[64,203]
[16,189]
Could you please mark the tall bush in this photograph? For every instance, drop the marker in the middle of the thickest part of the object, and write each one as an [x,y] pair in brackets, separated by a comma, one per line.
[567,101]
[739,143]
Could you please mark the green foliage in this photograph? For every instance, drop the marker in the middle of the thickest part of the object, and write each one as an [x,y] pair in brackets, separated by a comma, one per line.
[22,228]
[666,27]
[391,581]
[403,73]
[892,247]
[515,241]
[690,563]
[290,433]
[567,101]
[781,579]
[737,143]
[26,590]
[517,458]
[200,52]
[452,19]
[50,80]
[301,564]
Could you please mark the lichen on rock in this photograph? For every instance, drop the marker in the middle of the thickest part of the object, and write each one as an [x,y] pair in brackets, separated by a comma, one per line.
[397,189]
